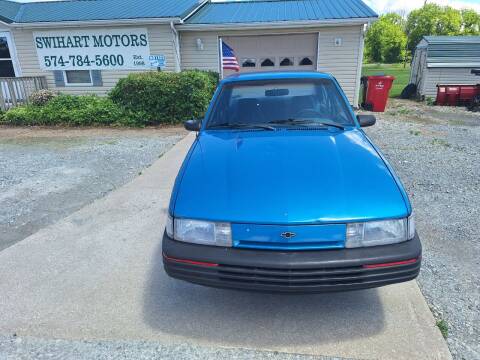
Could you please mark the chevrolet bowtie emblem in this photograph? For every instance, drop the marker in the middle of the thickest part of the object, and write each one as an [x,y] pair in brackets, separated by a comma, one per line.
[288,235]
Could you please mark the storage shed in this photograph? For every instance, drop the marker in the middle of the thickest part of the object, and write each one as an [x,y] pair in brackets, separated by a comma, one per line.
[445,60]
[87,46]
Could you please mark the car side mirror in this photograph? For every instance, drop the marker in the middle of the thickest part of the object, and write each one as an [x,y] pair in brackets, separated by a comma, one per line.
[366,120]
[193,125]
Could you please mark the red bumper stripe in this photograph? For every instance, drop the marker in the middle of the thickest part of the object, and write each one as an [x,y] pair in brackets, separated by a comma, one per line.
[396,263]
[191,262]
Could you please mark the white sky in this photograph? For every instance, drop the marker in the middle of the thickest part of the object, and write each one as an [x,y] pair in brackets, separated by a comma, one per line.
[382,6]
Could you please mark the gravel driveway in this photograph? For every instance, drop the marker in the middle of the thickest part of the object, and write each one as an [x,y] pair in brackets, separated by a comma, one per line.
[46,174]
[436,152]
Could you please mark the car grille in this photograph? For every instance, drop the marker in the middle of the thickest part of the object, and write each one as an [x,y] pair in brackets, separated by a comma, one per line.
[290,279]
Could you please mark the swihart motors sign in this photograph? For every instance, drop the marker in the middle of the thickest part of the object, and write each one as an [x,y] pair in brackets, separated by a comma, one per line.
[112,49]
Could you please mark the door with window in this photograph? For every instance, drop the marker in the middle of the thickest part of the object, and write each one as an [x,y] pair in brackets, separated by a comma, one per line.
[274,52]
[7,62]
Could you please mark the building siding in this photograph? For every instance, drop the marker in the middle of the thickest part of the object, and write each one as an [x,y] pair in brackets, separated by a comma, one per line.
[161,42]
[434,76]
[340,61]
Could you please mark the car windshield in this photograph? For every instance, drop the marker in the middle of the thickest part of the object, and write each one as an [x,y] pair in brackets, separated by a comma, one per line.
[280,103]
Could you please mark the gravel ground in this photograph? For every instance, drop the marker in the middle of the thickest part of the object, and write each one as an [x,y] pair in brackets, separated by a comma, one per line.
[436,153]
[46,174]
[31,348]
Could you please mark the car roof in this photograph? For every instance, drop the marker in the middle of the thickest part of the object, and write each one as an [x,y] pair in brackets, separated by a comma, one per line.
[276,75]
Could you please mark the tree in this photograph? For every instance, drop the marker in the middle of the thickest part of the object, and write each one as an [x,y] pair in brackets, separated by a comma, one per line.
[470,22]
[385,40]
[432,19]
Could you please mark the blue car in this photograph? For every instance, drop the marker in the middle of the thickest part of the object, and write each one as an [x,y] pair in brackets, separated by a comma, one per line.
[282,191]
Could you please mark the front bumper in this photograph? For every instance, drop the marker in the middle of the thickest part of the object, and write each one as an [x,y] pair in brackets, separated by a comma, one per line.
[292,271]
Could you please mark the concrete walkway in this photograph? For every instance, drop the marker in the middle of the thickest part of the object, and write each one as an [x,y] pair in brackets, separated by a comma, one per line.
[98,275]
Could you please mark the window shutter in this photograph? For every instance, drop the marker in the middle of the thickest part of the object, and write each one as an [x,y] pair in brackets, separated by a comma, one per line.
[97,78]
[59,79]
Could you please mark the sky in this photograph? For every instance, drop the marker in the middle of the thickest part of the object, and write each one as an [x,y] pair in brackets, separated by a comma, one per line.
[383,6]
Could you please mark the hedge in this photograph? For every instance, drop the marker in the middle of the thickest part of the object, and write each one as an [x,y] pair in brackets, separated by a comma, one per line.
[141,99]
[69,110]
[161,97]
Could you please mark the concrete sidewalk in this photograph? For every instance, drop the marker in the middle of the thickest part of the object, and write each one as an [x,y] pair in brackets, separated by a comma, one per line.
[98,275]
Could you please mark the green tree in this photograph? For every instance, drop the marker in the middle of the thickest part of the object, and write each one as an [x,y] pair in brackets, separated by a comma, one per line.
[385,40]
[470,22]
[432,19]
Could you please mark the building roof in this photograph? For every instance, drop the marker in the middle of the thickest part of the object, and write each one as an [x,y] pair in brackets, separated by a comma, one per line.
[244,11]
[91,10]
[452,51]
[248,11]
[8,10]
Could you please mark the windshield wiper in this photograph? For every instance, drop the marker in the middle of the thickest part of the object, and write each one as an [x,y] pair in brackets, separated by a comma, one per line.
[293,121]
[242,126]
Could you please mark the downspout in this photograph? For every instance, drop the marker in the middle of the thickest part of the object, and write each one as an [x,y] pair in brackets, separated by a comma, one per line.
[176,44]
[361,46]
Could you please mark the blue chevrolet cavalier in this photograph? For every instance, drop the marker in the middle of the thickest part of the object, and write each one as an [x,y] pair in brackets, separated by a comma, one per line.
[283,191]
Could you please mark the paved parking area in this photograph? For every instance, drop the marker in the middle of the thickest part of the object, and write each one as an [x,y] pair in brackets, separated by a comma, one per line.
[97,275]
[436,152]
[46,174]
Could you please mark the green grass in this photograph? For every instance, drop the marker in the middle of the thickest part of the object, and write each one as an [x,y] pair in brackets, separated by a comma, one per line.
[402,75]
[443,326]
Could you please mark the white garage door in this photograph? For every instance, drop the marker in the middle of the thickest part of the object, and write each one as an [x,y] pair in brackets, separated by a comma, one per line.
[274,52]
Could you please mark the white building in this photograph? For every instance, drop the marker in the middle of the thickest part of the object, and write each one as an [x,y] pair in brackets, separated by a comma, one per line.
[87,46]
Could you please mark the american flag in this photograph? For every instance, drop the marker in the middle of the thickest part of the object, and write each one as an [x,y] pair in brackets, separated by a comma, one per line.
[229,60]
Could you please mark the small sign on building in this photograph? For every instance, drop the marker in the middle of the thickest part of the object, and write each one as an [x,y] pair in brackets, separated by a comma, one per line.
[157,61]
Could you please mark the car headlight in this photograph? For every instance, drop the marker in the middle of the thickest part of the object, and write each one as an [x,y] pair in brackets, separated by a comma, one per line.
[385,232]
[200,232]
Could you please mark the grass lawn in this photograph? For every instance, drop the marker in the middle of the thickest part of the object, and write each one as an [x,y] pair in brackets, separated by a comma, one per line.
[402,75]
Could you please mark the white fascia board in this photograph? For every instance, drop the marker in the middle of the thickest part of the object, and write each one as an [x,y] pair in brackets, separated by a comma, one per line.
[277,24]
[4,24]
[453,65]
[92,23]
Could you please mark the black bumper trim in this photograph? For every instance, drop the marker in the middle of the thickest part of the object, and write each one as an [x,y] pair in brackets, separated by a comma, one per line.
[292,271]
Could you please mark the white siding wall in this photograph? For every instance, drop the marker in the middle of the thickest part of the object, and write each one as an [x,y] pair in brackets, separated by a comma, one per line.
[340,61]
[161,42]
[434,76]
[192,58]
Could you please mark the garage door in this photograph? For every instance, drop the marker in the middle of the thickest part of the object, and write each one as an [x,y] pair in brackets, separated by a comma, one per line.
[274,52]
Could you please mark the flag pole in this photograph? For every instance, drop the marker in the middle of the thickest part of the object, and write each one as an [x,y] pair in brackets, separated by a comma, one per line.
[221,57]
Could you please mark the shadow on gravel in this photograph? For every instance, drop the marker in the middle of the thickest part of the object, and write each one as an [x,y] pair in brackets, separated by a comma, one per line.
[247,319]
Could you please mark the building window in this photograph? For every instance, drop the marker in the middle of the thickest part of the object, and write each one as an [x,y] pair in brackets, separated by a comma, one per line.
[267,62]
[249,63]
[6,61]
[78,77]
[306,61]
[286,61]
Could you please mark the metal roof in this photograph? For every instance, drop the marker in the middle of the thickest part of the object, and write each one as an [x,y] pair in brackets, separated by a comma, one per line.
[8,10]
[90,10]
[248,11]
[453,51]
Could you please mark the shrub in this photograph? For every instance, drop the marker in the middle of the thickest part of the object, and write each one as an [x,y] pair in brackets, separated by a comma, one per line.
[68,110]
[162,97]
[41,97]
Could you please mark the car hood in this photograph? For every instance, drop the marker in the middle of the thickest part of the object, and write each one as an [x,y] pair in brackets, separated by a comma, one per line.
[286,177]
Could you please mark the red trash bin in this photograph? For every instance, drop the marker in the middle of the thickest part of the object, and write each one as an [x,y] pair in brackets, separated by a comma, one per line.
[375,92]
